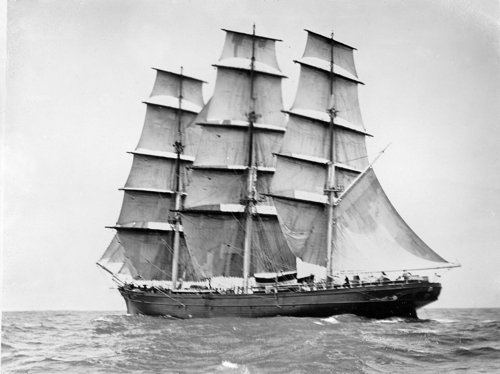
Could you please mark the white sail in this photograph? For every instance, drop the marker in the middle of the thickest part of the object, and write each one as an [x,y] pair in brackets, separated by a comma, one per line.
[320,48]
[231,99]
[304,226]
[242,46]
[143,244]
[145,255]
[247,93]
[216,242]
[371,235]
[168,84]
[313,94]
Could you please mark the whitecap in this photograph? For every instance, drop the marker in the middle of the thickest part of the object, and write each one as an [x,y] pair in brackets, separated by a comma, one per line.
[228,364]
[331,320]
[392,320]
[445,320]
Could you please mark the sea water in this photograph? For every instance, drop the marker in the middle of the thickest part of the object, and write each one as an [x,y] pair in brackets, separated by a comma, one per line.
[441,341]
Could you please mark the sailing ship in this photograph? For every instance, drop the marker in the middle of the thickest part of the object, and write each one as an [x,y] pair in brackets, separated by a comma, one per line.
[240,208]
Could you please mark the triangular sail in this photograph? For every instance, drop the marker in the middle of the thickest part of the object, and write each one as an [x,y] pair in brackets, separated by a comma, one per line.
[143,245]
[371,235]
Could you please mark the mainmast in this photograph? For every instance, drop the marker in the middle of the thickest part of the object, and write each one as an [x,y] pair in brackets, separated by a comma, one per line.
[331,188]
[242,127]
[251,176]
[179,148]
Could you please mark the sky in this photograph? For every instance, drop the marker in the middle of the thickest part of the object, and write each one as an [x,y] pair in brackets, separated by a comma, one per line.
[78,71]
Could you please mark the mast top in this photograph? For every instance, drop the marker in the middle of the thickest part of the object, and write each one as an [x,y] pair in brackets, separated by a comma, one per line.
[256,36]
[178,75]
[330,39]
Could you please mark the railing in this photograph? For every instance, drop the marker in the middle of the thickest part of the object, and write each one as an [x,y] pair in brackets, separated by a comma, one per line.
[272,288]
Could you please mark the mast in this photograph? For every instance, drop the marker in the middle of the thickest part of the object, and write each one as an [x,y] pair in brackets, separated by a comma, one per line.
[148,227]
[251,176]
[178,194]
[324,152]
[242,127]
[330,190]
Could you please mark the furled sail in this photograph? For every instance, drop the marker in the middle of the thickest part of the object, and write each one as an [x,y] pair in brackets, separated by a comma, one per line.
[242,126]
[143,245]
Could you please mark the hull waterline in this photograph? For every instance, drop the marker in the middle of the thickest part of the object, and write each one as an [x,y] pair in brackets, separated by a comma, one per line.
[383,301]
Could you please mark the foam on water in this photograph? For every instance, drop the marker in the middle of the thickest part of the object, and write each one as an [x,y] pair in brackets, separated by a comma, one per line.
[229,365]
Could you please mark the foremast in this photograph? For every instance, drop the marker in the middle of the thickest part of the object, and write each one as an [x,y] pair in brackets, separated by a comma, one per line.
[179,148]
[148,228]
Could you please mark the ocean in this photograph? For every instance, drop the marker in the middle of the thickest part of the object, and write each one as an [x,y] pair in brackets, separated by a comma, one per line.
[441,341]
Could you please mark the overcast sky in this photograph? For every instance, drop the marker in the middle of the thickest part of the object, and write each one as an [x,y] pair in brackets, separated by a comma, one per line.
[79,70]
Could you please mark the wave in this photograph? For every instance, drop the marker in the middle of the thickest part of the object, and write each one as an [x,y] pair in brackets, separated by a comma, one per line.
[7,347]
[445,320]
[103,342]
[492,324]
[391,320]
[480,351]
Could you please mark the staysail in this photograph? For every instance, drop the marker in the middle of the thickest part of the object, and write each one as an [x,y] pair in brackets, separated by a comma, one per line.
[323,153]
[371,235]
[242,126]
[143,246]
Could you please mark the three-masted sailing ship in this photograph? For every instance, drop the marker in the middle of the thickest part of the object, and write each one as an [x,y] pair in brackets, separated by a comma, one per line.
[228,202]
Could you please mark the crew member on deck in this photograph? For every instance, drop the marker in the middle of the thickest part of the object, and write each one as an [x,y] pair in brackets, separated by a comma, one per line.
[347,283]
[383,278]
[179,283]
[406,275]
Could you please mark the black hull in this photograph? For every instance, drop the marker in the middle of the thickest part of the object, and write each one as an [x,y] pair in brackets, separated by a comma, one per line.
[380,301]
